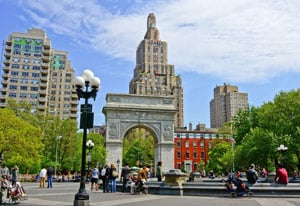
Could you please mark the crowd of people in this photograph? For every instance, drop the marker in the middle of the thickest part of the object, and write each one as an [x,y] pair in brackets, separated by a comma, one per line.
[10,185]
[105,178]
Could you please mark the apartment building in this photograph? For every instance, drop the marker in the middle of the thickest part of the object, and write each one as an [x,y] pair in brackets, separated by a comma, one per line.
[191,147]
[36,73]
[226,104]
[152,74]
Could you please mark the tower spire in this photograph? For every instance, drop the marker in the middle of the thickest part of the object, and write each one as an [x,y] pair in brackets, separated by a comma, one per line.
[152,31]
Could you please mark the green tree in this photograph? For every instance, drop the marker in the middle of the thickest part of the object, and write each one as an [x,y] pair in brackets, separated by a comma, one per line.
[257,147]
[221,158]
[138,148]
[20,141]
[261,130]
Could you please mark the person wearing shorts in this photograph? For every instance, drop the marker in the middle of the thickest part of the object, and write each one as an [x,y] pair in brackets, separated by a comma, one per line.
[95,178]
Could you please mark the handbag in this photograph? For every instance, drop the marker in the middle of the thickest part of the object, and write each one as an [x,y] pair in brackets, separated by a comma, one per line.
[115,173]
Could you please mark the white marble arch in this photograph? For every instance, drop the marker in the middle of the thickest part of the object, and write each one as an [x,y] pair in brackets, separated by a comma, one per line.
[155,113]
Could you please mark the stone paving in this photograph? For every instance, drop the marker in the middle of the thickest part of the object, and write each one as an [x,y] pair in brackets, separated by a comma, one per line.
[62,194]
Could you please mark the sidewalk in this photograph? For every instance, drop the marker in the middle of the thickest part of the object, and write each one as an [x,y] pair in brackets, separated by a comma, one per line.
[62,194]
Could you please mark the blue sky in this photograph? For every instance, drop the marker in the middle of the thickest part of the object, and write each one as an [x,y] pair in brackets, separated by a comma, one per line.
[252,44]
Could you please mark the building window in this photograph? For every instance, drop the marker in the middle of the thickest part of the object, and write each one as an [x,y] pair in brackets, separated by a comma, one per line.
[34,81]
[34,89]
[16,52]
[24,80]
[202,155]
[36,67]
[12,95]
[37,55]
[187,144]
[187,154]
[13,80]
[201,144]
[210,145]
[15,66]
[23,95]
[178,144]
[36,61]
[195,154]
[17,46]
[25,74]
[13,87]
[26,61]
[13,73]
[178,155]
[195,144]
[25,67]
[35,74]
[33,96]
[23,87]
[27,47]
[178,165]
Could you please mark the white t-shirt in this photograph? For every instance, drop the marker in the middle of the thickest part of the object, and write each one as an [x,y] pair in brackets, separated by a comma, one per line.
[43,172]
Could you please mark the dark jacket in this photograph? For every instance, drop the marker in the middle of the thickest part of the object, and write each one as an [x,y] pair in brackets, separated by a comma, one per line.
[125,173]
[50,172]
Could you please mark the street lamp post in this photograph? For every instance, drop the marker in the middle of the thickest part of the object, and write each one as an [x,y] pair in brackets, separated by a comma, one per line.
[89,145]
[55,168]
[118,163]
[91,85]
[282,149]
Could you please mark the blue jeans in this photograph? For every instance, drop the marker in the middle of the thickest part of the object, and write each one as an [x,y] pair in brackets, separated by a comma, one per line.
[49,182]
[113,185]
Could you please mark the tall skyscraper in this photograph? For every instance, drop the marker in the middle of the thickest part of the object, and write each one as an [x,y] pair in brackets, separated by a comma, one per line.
[36,73]
[152,74]
[226,103]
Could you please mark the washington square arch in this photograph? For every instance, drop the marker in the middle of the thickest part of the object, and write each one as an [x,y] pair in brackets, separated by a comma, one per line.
[155,113]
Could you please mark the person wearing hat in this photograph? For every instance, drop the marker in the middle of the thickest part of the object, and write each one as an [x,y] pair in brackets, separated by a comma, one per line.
[252,175]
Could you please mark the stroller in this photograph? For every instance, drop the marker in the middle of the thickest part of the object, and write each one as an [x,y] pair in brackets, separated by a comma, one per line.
[16,193]
[141,187]
[236,187]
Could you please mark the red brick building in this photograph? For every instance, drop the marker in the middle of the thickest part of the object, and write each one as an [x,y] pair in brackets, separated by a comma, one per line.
[192,146]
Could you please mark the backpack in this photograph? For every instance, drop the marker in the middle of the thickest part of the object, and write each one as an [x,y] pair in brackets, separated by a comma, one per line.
[251,177]
[103,172]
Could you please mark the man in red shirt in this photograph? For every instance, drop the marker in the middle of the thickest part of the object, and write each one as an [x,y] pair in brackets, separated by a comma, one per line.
[281,175]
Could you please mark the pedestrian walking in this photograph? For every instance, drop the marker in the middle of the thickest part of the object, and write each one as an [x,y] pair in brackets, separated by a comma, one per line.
[105,178]
[43,174]
[125,175]
[158,171]
[50,173]
[4,171]
[112,178]
[14,175]
[95,178]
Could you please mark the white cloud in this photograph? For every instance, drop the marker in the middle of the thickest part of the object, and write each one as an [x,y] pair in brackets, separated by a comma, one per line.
[238,40]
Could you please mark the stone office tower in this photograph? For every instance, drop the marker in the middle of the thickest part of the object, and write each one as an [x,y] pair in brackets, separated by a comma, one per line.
[36,73]
[226,103]
[152,74]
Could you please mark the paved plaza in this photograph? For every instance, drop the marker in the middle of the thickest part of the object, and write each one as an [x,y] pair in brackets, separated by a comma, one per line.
[62,194]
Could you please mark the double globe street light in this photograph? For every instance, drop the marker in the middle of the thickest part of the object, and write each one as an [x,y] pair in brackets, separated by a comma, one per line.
[87,86]
[89,145]
[282,149]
